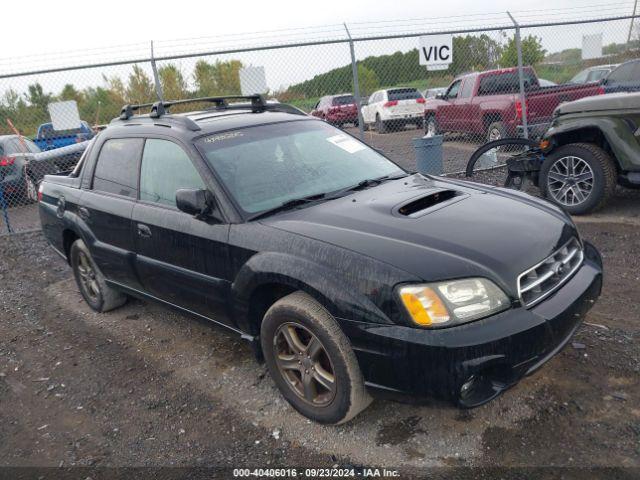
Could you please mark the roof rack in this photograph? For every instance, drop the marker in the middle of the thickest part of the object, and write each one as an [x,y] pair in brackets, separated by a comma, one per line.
[256,104]
[158,109]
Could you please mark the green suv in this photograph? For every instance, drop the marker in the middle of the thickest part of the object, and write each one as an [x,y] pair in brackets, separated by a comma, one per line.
[592,145]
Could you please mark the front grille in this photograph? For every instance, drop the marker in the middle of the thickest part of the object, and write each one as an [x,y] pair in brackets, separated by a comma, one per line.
[545,278]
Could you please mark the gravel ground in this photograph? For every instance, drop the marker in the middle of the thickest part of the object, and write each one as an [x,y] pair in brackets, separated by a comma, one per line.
[143,386]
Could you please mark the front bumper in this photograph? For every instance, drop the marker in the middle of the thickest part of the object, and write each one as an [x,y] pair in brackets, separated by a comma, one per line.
[487,355]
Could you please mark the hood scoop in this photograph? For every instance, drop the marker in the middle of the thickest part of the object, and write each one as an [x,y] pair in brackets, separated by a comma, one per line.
[417,207]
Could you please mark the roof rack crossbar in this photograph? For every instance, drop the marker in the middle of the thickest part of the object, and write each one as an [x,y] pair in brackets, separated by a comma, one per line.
[127,111]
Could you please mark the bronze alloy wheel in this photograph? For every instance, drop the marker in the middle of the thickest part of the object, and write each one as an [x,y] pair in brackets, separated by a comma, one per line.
[88,280]
[303,362]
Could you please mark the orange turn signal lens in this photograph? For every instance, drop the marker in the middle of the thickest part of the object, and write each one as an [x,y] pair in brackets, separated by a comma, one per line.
[424,305]
[544,144]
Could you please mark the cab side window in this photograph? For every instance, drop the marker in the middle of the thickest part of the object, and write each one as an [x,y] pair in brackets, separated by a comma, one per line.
[453,89]
[117,168]
[165,169]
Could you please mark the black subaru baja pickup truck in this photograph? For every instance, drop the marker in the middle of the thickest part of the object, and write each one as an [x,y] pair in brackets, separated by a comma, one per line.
[347,273]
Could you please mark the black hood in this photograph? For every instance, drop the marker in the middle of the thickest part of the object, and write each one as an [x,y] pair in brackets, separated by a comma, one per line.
[438,229]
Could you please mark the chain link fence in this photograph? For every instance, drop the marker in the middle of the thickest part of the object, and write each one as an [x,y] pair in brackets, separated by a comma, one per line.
[49,112]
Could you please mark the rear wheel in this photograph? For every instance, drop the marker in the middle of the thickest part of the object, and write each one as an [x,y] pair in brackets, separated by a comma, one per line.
[381,126]
[311,360]
[581,177]
[93,287]
[496,131]
[420,123]
[31,189]
[431,125]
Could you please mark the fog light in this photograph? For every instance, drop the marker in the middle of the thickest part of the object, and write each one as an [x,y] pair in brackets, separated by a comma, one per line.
[467,387]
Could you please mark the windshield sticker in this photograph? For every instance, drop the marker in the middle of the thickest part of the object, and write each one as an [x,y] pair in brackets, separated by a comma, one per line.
[223,136]
[348,144]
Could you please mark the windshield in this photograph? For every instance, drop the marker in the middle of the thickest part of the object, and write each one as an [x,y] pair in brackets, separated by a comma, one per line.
[344,100]
[403,94]
[262,167]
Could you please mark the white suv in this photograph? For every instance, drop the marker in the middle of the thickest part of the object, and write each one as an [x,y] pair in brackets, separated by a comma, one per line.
[394,108]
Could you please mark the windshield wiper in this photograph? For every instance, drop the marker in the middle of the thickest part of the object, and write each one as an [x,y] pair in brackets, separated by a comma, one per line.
[288,205]
[369,182]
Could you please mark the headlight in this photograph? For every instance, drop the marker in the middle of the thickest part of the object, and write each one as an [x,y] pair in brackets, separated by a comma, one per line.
[454,302]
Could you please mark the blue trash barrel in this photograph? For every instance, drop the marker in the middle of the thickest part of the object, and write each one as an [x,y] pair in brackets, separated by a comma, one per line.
[429,154]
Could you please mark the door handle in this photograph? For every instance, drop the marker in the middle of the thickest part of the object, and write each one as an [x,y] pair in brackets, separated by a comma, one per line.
[144,231]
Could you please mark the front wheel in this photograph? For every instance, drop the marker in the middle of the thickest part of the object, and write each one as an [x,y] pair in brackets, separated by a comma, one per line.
[581,177]
[311,360]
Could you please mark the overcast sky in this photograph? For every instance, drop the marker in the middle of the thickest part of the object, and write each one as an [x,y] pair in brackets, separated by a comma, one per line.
[58,33]
[54,26]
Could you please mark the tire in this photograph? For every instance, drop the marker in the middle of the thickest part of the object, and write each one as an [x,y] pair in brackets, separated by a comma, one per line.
[312,322]
[524,142]
[596,192]
[356,123]
[420,123]
[496,131]
[381,126]
[100,297]
[430,123]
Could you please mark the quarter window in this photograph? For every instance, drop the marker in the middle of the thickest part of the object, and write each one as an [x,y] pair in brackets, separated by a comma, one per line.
[166,168]
[117,168]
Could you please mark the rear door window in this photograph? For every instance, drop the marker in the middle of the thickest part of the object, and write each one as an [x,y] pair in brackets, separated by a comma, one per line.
[403,94]
[166,168]
[117,168]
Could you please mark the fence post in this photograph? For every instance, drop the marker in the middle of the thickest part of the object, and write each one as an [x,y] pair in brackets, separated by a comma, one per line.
[523,98]
[356,83]
[156,78]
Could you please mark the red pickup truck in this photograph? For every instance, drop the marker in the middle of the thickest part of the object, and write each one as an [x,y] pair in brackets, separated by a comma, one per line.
[488,103]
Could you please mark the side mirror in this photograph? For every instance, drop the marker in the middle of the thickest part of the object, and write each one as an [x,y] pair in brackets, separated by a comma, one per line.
[199,203]
[441,96]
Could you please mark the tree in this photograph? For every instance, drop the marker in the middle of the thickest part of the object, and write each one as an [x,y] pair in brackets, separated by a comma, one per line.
[227,77]
[36,96]
[69,92]
[474,52]
[532,52]
[368,80]
[174,86]
[219,78]
[140,88]
[203,78]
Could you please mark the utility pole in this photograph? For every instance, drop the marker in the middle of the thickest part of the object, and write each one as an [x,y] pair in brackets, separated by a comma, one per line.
[635,6]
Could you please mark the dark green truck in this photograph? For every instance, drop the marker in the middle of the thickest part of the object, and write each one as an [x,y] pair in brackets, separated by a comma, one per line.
[592,145]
